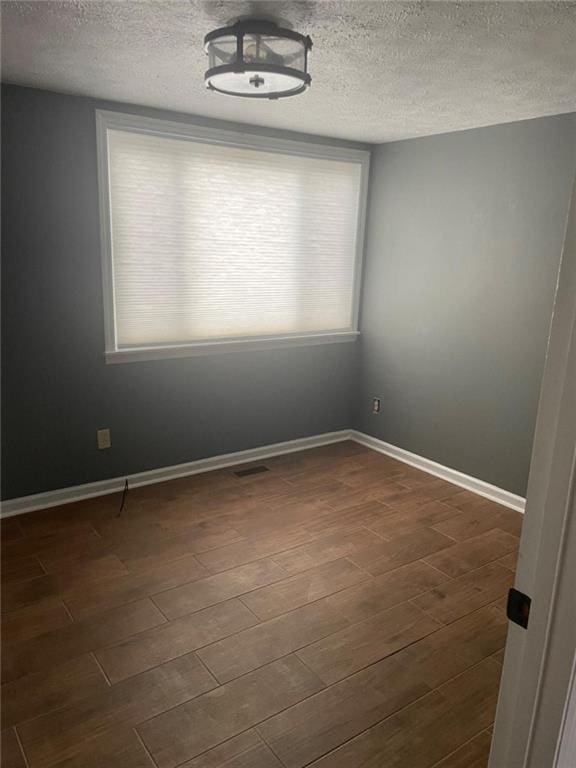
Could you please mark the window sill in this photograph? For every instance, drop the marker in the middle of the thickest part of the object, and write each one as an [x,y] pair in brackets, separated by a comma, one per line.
[141,354]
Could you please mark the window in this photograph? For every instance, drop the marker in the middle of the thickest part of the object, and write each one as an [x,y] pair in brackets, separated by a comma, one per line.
[214,239]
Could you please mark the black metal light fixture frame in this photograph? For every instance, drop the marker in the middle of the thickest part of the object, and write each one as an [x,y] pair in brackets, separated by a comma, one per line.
[239,66]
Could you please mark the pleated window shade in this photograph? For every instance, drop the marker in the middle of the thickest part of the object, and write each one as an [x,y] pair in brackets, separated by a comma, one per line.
[215,242]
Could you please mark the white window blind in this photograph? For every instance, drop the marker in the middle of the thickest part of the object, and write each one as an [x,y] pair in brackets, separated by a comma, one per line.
[211,242]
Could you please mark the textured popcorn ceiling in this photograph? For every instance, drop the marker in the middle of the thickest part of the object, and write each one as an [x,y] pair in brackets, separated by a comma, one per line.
[380,70]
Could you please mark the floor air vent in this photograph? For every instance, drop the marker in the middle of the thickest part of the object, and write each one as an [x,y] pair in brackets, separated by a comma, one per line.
[251,471]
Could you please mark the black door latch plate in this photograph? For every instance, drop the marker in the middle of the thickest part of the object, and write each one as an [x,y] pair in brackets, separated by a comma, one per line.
[518,607]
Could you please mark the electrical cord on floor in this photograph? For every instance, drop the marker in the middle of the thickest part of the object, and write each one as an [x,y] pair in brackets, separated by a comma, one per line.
[124,494]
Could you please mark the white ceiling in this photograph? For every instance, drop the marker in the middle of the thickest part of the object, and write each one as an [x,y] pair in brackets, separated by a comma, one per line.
[380,70]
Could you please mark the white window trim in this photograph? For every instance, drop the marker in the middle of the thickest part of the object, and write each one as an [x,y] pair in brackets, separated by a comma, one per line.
[106,120]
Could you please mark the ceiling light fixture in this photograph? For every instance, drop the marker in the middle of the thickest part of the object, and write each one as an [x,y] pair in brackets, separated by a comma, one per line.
[256,59]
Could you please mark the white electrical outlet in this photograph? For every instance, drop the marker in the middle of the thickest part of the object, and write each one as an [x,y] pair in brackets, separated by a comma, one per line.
[103,439]
[376,405]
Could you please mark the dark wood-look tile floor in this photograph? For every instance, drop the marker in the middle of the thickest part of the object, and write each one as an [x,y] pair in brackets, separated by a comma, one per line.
[340,609]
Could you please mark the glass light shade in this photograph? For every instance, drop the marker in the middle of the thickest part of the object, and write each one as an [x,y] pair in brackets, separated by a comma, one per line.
[258,60]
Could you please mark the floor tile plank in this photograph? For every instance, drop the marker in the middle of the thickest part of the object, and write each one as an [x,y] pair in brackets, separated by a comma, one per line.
[117,748]
[103,566]
[244,751]
[41,692]
[499,656]
[473,754]
[10,752]
[259,645]
[326,720]
[176,638]
[142,556]
[115,593]
[441,490]
[295,591]
[452,649]
[405,500]
[280,512]
[402,549]
[509,561]
[34,620]
[21,569]
[192,728]
[50,541]
[217,588]
[362,644]
[53,648]
[10,529]
[345,498]
[81,576]
[480,515]
[453,599]
[330,521]
[473,553]
[427,730]
[370,597]
[325,549]
[68,731]
[242,552]
[424,516]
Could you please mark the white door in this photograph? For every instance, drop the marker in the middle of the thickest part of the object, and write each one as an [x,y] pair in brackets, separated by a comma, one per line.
[533,728]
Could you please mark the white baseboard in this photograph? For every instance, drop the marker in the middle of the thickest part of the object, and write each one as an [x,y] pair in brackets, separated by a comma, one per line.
[480,487]
[48,499]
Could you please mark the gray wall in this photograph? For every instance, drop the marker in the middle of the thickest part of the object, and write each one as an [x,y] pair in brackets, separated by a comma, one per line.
[57,389]
[464,238]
